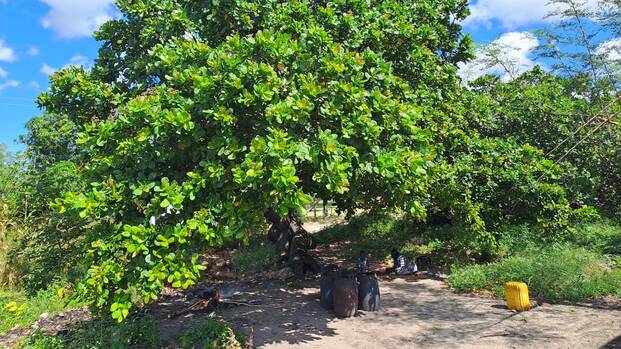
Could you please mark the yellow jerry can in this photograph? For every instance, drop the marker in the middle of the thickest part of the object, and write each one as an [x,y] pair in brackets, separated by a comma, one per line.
[516,294]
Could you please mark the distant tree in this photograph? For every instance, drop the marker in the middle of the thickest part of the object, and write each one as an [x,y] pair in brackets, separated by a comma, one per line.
[575,43]
[50,139]
[551,113]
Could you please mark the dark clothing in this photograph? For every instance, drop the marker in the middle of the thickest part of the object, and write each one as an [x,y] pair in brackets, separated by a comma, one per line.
[362,263]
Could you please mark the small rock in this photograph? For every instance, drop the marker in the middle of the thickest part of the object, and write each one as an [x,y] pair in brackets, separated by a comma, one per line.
[44,316]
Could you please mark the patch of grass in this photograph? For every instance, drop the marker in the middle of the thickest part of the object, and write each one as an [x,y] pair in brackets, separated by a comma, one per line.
[259,255]
[210,334]
[17,309]
[42,341]
[603,237]
[100,334]
[555,273]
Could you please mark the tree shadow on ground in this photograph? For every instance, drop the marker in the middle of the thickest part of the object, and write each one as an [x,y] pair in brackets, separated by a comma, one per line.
[413,313]
[285,314]
[615,343]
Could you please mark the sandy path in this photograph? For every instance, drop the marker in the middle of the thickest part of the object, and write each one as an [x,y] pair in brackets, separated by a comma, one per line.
[419,314]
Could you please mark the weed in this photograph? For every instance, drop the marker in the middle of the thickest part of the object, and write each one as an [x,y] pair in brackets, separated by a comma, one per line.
[17,309]
[259,255]
[602,237]
[100,334]
[210,334]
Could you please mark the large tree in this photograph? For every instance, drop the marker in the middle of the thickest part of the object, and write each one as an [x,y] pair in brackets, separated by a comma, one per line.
[199,117]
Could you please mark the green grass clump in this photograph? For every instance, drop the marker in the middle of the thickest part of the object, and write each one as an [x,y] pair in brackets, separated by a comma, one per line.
[210,334]
[100,334]
[17,309]
[259,255]
[555,273]
[603,237]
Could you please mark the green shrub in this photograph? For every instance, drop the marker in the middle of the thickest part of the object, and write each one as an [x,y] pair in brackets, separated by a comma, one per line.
[259,255]
[556,273]
[376,234]
[210,334]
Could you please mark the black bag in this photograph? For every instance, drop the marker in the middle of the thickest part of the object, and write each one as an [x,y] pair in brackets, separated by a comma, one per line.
[345,297]
[368,292]
[326,286]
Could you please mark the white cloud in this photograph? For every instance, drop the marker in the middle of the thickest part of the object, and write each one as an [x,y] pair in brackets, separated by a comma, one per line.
[9,84]
[33,51]
[35,85]
[508,56]
[47,70]
[74,19]
[6,53]
[513,14]
[610,50]
[78,61]
[3,73]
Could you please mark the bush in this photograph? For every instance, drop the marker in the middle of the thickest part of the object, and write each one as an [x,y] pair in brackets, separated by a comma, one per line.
[557,273]
[259,255]
[376,234]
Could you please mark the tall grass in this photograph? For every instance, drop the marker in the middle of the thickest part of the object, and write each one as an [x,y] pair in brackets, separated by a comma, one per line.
[10,232]
[555,273]
[18,309]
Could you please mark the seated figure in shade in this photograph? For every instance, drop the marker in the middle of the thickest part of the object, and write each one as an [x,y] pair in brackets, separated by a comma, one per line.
[403,265]
[362,263]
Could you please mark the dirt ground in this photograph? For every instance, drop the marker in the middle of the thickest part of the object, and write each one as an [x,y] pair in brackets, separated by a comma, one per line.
[419,314]
[416,313]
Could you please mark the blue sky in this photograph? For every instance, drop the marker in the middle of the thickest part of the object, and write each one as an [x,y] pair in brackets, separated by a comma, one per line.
[39,36]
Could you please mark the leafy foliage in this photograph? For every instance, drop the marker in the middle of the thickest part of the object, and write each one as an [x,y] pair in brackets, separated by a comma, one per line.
[234,107]
[199,117]
[210,334]
[259,255]
[547,112]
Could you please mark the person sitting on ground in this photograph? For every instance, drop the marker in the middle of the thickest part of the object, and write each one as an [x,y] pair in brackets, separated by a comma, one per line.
[402,264]
[362,263]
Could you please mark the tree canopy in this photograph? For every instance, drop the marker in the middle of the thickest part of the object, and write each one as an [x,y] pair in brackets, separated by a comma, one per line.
[198,117]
